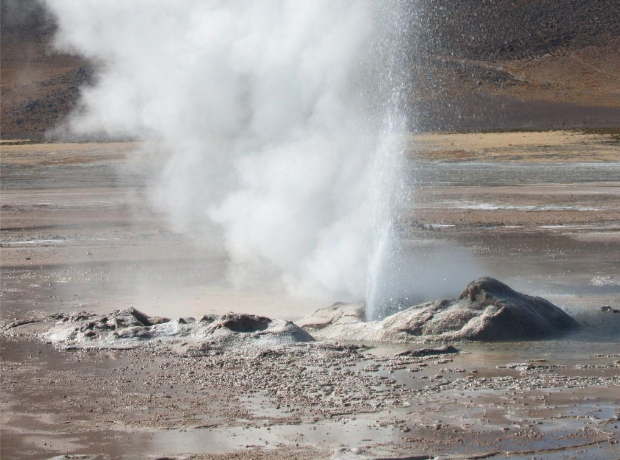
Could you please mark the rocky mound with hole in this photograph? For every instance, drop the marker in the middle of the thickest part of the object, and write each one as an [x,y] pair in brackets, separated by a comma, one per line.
[487,310]
[131,328]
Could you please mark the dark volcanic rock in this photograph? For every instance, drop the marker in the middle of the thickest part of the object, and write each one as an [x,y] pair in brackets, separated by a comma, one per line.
[144,319]
[447,350]
[237,322]
[487,310]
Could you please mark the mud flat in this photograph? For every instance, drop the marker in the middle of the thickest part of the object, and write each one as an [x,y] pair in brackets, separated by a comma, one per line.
[243,386]
[77,236]
[240,386]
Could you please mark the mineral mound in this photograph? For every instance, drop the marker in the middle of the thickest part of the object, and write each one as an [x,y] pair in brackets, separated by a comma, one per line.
[487,310]
[131,328]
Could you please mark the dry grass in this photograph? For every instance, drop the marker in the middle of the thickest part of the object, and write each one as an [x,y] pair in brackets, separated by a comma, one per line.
[550,146]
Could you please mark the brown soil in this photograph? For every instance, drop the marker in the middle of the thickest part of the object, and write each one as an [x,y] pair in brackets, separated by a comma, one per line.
[588,76]
[532,147]
[474,66]
[39,88]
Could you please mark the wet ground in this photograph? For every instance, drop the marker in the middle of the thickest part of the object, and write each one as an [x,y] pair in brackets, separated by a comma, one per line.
[479,403]
[77,235]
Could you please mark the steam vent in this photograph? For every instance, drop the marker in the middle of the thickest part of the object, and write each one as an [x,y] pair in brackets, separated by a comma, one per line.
[187,186]
[487,310]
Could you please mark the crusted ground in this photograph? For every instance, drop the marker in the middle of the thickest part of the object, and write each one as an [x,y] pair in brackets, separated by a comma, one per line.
[311,400]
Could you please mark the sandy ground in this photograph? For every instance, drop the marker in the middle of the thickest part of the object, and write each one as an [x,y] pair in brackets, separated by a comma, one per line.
[537,210]
[530,147]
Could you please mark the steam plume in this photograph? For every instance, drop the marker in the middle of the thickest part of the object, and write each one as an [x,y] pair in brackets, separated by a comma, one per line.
[270,115]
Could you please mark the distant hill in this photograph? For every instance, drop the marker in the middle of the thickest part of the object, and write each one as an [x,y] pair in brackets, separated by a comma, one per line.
[470,60]
[38,88]
[516,29]
[486,64]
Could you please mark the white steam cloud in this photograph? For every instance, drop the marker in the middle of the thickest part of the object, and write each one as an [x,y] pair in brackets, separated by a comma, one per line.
[270,115]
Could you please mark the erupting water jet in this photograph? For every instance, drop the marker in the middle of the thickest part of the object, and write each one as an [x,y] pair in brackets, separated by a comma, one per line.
[280,122]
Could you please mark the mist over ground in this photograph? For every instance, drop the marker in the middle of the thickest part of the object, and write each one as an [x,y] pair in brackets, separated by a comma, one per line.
[270,118]
[308,99]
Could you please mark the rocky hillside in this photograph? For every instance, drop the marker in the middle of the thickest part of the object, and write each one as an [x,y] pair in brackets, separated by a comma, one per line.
[470,59]
[38,88]
[485,64]
[515,29]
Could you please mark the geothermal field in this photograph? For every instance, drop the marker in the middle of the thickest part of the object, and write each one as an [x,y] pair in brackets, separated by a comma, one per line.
[349,230]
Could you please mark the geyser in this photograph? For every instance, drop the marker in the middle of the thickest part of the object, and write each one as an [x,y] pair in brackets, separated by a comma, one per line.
[278,121]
